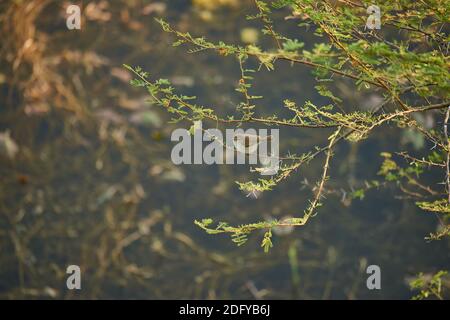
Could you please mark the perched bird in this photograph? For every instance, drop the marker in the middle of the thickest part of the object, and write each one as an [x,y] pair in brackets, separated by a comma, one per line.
[248,143]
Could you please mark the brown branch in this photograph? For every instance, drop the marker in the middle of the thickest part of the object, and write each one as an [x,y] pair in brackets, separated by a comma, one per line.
[422,161]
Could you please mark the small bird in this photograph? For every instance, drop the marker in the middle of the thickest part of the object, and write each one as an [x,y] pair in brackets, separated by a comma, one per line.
[248,143]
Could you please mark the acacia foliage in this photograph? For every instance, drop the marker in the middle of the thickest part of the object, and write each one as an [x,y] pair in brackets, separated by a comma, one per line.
[406,62]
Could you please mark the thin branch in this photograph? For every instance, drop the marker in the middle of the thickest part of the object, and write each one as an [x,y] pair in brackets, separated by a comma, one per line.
[447,162]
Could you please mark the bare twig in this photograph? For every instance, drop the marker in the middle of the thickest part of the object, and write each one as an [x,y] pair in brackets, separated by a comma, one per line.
[447,162]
